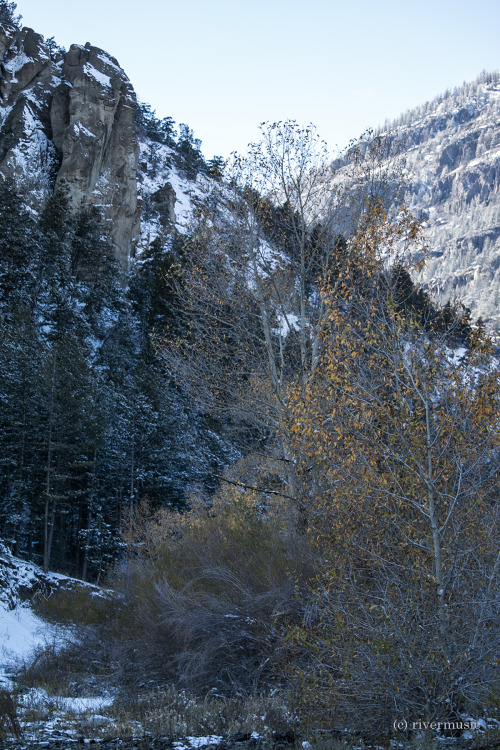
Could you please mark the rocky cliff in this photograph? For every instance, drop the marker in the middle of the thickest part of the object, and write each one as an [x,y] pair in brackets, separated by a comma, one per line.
[452,151]
[68,119]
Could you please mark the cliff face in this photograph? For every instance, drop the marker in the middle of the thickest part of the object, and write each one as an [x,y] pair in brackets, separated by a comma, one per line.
[68,119]
[452,150]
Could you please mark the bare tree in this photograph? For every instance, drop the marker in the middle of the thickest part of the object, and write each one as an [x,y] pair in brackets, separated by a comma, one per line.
[261,245]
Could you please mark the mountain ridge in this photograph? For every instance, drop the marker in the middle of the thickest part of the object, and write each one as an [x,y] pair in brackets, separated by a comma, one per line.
[69,119]
[452,150]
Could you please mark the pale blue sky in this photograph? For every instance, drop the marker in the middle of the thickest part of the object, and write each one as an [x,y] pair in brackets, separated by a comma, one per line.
[223,67]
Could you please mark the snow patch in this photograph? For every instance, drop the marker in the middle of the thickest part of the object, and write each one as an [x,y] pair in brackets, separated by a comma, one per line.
[108,61]
[82,130]
[196,742]
[101,78]
[78,705]
[286,323]
[18,62]
[21,631]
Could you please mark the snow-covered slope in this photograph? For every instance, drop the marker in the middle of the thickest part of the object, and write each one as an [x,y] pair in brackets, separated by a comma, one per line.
[166,196]
[20,629]
[41,717]
[452,151]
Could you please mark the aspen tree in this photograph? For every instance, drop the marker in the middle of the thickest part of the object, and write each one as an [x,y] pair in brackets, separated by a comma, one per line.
[260,246]
[399,439]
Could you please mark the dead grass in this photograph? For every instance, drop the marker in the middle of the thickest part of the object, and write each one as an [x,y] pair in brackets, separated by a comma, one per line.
[82,606]
[173,713]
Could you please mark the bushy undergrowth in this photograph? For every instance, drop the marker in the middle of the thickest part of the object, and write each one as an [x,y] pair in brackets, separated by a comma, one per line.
[75,663]
[221,614]
[170,712]
[157,713]
[199,596]
[69,669]
[195,604]
[80,606]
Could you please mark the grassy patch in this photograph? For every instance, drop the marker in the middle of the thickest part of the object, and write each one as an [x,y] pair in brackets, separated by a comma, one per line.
[79,605]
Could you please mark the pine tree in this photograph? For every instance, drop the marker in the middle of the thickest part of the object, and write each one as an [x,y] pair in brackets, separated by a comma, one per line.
[21,429]
[188,157]
[19,253]
[7,14]
[70,440]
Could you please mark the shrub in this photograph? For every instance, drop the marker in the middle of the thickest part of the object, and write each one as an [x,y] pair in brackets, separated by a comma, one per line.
[195,603]
[8,715]
[199,595]
[177,713]
[74,668]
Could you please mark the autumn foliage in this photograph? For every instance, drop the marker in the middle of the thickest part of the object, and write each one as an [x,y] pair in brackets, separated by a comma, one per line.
[396,439]
[349,558]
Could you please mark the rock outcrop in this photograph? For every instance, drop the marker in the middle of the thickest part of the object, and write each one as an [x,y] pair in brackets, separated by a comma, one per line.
[68,119]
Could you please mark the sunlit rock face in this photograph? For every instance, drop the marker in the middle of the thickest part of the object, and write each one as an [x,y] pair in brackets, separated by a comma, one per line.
[452,151]
[68,119]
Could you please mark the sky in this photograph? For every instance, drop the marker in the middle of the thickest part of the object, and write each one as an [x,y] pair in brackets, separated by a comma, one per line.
[223,67]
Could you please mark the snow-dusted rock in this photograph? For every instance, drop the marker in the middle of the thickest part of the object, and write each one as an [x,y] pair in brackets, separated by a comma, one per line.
[69,120]
[20,580]
[452,151]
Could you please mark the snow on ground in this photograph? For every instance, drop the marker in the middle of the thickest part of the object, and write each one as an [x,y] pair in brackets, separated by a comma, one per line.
[20,632]
[42,716]
[196,742]
[95,703]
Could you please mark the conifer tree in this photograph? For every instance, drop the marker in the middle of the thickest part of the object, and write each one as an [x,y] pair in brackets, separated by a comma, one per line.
[7,13]
[188,157]
[21,430]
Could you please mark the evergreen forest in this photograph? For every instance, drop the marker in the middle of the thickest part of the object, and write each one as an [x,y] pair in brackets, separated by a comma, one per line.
[91,421]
